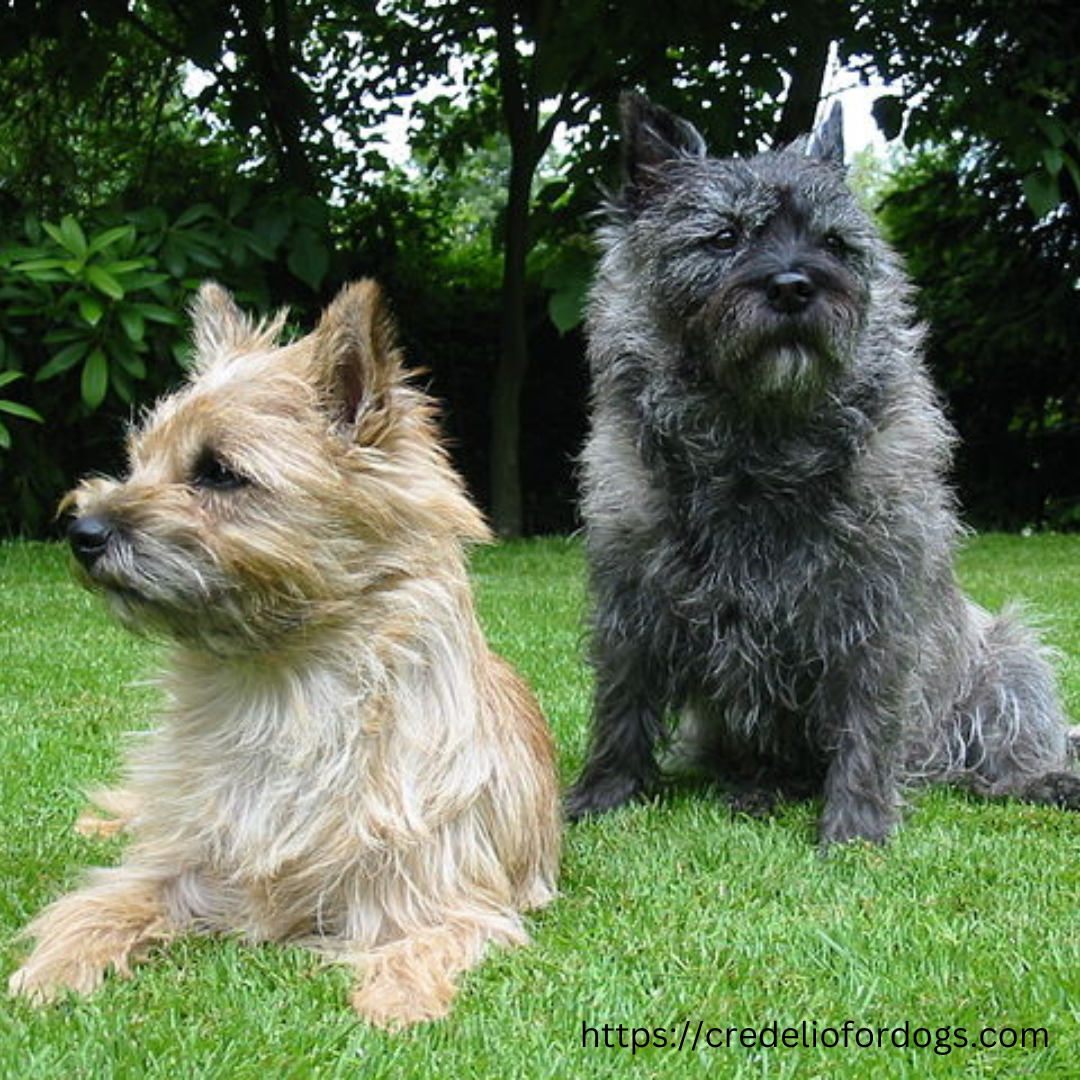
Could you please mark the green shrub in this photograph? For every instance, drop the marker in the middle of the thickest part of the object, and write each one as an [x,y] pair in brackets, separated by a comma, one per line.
[92,317]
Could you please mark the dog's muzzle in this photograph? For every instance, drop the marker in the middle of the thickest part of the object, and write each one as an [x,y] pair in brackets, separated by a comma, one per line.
[89,537]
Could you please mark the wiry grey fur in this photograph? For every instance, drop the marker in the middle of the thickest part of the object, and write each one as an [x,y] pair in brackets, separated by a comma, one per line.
[769,532]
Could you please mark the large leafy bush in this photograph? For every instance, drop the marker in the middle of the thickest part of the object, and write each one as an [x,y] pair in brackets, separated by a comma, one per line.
[92,324]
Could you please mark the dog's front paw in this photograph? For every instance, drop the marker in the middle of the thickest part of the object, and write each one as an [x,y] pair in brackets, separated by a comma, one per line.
[846,828]
[42,983]
[1061,789]
[388,1003]
[592,796]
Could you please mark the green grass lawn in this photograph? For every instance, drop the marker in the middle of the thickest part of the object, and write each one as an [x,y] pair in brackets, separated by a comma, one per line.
[670,912]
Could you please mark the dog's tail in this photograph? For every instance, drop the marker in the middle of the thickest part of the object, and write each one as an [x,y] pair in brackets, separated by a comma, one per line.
[1016,742]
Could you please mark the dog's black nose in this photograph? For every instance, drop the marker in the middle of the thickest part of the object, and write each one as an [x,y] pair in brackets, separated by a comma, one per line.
[790,291]
[89,537]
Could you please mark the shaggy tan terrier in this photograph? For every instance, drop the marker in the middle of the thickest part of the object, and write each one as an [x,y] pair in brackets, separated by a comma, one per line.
[341,761]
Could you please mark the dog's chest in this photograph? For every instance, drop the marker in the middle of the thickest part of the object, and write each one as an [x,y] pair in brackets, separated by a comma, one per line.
[739,542]
[262,815]
[747,571]
[263,783]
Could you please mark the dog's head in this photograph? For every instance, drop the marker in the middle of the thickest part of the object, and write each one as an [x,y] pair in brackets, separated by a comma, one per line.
[282,481]
[760,270]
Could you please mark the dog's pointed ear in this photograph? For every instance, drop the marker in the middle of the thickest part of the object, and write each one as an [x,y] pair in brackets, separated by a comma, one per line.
[652,136]
[217,323]
[358,362]
[826,142]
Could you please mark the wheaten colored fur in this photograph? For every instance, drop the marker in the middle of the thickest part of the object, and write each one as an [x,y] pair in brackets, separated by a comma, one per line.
[340,759]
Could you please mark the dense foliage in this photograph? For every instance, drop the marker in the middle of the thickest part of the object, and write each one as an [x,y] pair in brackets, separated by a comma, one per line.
[241,141]
[1003,313]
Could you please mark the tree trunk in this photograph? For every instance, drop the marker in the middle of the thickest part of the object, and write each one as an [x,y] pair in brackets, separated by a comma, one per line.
[519,107]
[505,458]
[807,73]
[282,92]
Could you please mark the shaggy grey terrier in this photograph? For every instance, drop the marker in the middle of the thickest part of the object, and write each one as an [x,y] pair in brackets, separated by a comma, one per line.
[770,535]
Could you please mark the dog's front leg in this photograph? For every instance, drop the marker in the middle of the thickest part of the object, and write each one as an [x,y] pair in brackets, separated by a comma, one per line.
[109,923]
[627,721]
[861,782]
[860,793]
[414,978]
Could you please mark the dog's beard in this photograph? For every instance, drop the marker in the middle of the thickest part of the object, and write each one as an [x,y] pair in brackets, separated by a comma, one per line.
[791,369]
[761,356]
[781,367]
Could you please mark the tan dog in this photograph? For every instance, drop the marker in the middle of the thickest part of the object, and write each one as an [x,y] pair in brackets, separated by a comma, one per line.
[341,760]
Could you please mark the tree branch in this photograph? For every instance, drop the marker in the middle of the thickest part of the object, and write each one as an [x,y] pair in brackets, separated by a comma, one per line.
[172,48]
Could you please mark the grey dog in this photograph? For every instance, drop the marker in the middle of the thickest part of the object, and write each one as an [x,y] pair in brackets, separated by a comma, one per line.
[770,535]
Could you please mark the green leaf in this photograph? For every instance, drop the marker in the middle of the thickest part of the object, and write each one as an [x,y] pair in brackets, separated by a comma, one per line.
[38,264]
[1053,159]
[194,213]
[132,363]
[15,409]
[1074,171]
[54,337]
[239,200]
[183,354]
[175,260]
[251,242]
[309,258]
[552,191]
[1054,130]
[54,232]
[95,379]
[123,266]
[311,211]
[566,310]
[568,277]
[7,377]
[209,260]
[158,313]
[109,237]
[65,359]
[72,237]
[271,226]
[104,282]
[69,235]
[144,280]
[91,309]
[48,277]
[152,219]
[123,354]
[1042,193]
[122,385]
[131,319]
[32,228]
[5,438]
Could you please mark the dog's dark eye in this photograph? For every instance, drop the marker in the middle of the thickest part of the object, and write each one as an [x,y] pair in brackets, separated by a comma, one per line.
[211,473]
[725,239]
[835,244]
